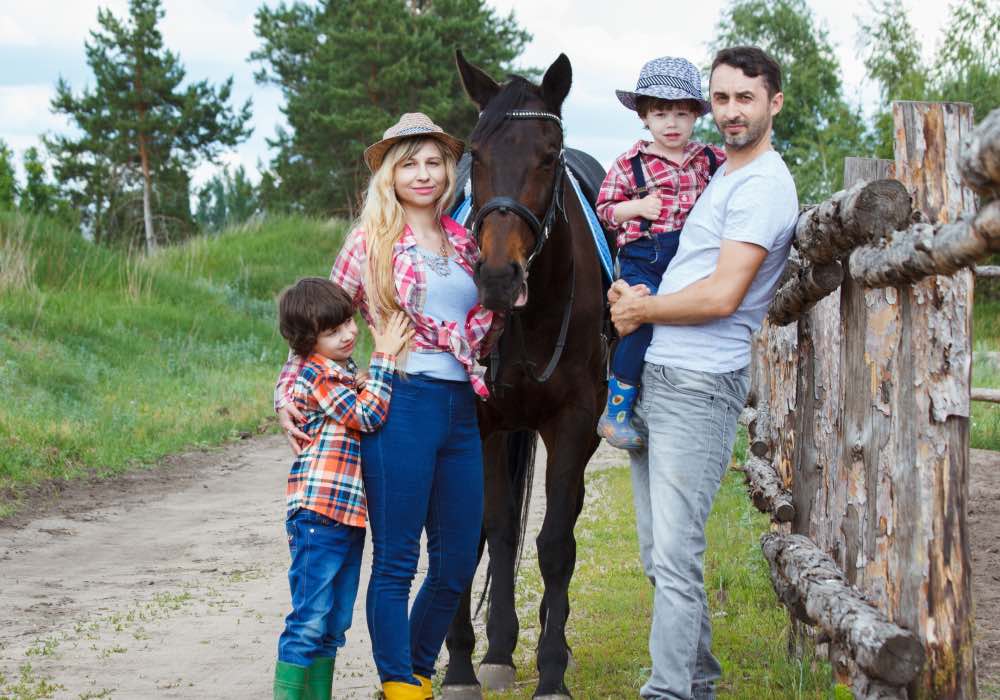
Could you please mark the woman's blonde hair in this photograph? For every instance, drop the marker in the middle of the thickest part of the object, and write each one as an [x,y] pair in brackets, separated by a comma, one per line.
[383,221]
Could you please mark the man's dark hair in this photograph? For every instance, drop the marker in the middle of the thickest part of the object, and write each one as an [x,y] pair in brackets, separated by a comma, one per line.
[644,104]
[753,61]
[309,307]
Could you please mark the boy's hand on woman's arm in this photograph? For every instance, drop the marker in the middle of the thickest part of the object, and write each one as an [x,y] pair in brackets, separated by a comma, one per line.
[394,335]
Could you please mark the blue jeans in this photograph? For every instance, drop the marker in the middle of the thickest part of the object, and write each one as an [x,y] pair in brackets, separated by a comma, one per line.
[423,470]
[323,577]
[641,262]
[688,419]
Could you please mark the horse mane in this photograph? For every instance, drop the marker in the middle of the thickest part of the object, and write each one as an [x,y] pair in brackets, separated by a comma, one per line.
[513,95]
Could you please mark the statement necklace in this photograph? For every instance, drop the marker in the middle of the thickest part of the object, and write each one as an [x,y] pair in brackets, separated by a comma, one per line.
[437,262]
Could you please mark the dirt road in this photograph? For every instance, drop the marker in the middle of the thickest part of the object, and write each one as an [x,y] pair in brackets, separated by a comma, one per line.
[171,583]
[167,583]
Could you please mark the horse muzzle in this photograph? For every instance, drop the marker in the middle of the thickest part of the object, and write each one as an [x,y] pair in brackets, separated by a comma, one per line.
[502,287]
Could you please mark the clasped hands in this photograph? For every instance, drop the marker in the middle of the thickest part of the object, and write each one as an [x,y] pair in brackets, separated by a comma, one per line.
[626,305]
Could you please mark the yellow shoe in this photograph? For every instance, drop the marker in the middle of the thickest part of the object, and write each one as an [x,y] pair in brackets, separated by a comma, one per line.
[397,690]
[425,685]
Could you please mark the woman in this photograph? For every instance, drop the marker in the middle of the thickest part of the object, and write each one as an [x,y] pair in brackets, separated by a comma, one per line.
[423,469]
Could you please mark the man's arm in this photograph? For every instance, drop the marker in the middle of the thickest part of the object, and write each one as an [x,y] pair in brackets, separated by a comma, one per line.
[710,298]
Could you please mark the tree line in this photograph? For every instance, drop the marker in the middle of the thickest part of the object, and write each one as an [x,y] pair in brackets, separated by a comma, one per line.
[347,68]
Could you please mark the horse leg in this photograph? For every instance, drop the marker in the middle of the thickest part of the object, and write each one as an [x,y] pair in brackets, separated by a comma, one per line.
[502,517]
[460,679]
[570,441]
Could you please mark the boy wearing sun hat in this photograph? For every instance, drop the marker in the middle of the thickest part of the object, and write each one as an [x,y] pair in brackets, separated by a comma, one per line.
[645,199]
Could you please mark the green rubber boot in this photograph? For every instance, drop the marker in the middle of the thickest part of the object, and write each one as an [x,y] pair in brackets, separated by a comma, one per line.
[319,681]
[289,681]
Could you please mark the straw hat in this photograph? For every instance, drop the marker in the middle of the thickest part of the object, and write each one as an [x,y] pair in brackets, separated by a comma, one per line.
[411,124]
[667,78]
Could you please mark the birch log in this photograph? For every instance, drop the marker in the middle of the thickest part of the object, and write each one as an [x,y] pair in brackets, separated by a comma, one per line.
[862,214]
[766,491]
[811,583]
[980,161]
[987,270]
[923,250]
[801,293]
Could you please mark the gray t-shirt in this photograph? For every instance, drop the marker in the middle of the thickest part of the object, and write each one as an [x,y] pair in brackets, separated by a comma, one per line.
[756,204]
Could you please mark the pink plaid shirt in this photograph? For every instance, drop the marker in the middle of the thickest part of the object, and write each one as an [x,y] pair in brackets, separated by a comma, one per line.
[678,185]
[466,341]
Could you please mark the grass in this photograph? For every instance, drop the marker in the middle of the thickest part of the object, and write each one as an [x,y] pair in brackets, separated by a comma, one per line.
[750,626]
[111,360]
[986,373]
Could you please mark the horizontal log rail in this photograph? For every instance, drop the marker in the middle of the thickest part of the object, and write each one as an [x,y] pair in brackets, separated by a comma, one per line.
[987,271]
[816,591]
[923,250]
[862,214]
[980,159]
[986,395]
[804,291]
[767,491]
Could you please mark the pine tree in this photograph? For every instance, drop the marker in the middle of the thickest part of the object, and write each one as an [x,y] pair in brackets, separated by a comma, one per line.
[349,68]
[228,199]
[138,123]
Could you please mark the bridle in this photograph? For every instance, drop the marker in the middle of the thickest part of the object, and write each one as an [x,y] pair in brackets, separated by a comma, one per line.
[541,228]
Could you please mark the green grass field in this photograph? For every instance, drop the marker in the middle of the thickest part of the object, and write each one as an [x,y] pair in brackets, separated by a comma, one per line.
[612,603]
[110,361]
[986,373]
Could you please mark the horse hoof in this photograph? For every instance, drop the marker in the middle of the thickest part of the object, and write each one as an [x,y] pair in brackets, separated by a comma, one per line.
[553,696]
[496,676]
[461,692]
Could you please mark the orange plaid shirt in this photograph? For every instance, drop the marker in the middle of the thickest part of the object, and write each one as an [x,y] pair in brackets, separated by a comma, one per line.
[326,475]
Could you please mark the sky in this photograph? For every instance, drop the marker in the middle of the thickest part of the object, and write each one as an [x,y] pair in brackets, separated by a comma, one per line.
[607,44]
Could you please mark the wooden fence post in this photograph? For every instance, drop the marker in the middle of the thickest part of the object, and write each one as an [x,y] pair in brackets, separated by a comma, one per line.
[929,578]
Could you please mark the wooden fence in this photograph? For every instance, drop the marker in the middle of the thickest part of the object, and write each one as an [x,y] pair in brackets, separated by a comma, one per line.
[859,408]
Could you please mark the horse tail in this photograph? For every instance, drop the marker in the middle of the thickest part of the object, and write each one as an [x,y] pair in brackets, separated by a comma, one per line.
[520,452]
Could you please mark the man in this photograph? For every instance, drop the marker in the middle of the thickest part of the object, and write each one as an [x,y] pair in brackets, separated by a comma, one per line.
[714,294]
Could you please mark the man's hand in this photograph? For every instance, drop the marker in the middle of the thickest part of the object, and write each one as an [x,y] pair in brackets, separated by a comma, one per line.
[290,418]
[627,306]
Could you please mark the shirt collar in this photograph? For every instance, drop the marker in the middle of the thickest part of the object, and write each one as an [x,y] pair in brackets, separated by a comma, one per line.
[458,236]
[692,149]
[341,371]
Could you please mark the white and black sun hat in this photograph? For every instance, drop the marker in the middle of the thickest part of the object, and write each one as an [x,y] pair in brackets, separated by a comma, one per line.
[667,78]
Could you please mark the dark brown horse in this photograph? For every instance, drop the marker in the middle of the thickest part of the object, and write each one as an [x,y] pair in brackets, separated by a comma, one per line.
[539,264]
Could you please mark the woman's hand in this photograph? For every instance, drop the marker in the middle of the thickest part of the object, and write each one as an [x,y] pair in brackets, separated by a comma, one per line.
[394,335]
[290,418]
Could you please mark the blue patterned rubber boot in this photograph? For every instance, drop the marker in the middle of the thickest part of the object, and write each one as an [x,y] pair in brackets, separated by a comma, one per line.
[615,425]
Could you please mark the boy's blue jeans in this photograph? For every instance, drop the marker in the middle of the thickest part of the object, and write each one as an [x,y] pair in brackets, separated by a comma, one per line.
[641,262]
[323,577]
[688,420]
[423,470]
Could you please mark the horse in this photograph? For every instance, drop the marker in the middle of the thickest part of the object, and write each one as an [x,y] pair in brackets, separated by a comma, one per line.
[539,266]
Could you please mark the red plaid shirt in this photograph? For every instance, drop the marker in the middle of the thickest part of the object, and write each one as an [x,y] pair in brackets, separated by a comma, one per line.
[466,341]
[678,185]
[326,476]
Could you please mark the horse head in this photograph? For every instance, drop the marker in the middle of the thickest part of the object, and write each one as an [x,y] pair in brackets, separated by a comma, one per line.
[517,162]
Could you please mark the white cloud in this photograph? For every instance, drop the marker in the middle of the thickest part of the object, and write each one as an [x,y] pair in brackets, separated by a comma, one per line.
[12,33]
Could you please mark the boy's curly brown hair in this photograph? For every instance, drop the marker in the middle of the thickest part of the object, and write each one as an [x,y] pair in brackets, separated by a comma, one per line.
[309,307]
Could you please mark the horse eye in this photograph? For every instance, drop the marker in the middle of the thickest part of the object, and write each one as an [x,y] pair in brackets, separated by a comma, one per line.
[548,159]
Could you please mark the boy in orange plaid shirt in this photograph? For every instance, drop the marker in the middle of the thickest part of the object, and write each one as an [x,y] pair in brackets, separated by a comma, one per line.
[325,495]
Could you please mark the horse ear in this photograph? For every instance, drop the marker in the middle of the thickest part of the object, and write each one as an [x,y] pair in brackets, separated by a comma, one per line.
[479,86]
[556,83]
